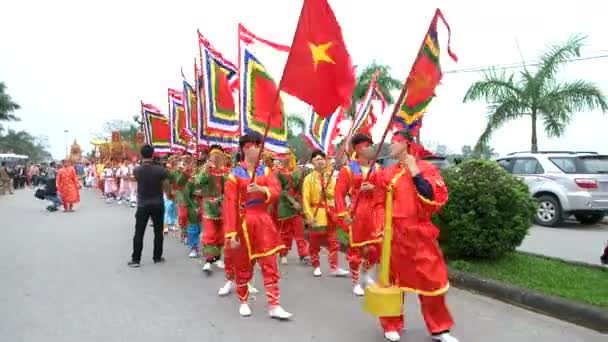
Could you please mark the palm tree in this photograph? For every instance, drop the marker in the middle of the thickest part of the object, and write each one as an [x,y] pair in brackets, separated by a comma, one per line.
[295,125]
[295,136]
[7,106]
[536,94]
[385,83]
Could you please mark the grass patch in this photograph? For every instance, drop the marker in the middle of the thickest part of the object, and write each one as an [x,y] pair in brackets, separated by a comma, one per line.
[574,282]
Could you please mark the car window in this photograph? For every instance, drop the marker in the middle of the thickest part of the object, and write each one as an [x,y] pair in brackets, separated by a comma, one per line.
[566,164]
[595,164]
[504,163]
[527,166]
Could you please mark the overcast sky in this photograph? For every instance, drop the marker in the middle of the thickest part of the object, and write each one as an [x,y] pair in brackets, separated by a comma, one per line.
[77,64]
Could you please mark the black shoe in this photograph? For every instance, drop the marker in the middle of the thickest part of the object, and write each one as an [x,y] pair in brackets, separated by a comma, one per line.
[161,260]
[133,264]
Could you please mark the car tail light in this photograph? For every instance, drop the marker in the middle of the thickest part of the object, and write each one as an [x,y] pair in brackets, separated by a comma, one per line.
[586,183]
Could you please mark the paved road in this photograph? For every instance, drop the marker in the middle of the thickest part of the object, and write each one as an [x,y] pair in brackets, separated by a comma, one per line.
[572,241]
[63,278]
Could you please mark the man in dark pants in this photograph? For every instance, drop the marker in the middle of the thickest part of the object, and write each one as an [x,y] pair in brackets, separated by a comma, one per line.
[152,179]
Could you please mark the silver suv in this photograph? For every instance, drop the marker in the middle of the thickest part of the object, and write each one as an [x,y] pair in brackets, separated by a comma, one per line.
[564,183]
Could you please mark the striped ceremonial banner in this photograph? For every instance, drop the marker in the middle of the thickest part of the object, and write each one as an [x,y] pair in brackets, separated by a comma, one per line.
[177,119]
[321,131]
[257,90]
[156,129]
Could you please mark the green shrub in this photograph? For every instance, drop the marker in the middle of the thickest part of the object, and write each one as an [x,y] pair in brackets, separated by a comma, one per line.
[488,213]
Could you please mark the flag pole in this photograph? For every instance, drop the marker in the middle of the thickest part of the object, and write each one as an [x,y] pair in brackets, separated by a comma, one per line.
[400,99]
[350,131]
[202,100]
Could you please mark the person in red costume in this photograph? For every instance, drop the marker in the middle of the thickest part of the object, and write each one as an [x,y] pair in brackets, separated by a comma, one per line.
[250,232]
[365,224]
[416,262]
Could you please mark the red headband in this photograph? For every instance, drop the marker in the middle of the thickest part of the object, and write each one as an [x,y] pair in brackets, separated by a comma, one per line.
[398,138]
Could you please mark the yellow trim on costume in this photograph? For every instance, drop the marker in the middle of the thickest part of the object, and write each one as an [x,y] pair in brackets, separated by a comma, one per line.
[230,235]
[342,214]
[267,194]
[364,243]
[270,252]
[248,244]
[232,178]
[427,293]
[428,201]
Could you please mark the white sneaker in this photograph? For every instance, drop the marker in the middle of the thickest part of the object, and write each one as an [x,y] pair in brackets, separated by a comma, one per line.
[119,202]
[284,260]
[193,253]
[340,273]
[226,289]
[358,290]
[445,337]
[279,313]
[220,264]
[245,310]
[207,267]
[317,272]
[252,289]
[392,336]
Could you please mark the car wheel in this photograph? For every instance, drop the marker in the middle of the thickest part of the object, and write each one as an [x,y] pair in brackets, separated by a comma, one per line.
[549,211]
[589,218]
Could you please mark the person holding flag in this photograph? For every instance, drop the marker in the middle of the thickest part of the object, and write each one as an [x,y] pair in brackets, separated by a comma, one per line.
[416,262]
[250,233]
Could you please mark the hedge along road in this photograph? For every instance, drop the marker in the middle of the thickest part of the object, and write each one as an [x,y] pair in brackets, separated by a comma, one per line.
[65,279]
[571,241]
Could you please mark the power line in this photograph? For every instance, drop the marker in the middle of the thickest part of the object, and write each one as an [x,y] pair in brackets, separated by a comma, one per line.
[516,65]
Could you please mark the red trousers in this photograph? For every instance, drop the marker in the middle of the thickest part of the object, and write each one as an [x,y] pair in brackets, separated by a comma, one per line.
[290,229]
[229,266]
[318,237]
[244,274]
[212,238]
[182,215]
[434,311]
[367,255]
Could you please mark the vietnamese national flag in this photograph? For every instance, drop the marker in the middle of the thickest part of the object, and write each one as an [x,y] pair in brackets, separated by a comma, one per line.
[319,70]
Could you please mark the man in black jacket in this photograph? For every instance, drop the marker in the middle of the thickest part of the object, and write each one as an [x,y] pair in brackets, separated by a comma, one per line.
[152,179]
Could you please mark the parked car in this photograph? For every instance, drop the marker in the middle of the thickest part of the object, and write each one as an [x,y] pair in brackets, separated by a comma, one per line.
[564,183]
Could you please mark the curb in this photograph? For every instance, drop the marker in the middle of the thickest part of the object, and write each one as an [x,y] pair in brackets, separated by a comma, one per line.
[585,315]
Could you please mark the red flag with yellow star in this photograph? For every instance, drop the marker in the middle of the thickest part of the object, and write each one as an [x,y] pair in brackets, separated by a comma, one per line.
[319,70]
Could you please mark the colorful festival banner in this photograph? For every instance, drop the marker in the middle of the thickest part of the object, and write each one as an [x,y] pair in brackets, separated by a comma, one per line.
[220,114]
[321,132]
[178,121]
[157,130]
[424,77]
[257,92]
[191,107]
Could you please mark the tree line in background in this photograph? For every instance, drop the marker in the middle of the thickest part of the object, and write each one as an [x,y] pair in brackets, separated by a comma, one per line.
[19,142]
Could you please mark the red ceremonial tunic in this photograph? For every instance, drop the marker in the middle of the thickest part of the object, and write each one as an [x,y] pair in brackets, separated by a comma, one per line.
[416,263]
[246,215]
[369,218]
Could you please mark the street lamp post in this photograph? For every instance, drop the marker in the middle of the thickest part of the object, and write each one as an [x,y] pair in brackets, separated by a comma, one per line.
[66,142]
